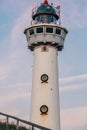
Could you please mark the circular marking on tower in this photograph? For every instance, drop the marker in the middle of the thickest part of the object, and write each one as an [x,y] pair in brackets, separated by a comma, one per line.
[44,78]
[44,109]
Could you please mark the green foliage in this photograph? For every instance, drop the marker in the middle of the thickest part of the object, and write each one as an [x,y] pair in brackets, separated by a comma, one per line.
[3,126]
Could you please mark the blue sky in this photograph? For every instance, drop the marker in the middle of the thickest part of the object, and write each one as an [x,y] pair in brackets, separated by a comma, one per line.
[17,62]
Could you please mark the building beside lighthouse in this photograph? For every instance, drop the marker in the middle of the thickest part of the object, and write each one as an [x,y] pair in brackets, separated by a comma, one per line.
[45,38]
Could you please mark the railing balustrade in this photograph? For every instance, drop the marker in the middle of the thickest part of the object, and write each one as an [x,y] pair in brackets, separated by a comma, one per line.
[18,120]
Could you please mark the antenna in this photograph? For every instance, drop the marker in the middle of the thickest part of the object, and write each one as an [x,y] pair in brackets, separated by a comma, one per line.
[60,12]
[58,9]
[33,3]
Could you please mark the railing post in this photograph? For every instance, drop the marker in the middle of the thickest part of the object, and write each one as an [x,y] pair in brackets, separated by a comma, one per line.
[7,121]
[17,125]
[32,127]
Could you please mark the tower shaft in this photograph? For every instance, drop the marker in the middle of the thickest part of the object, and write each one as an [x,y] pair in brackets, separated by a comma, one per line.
[45,93]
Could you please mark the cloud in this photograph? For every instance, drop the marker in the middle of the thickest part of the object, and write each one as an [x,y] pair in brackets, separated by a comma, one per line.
[9,104]
[17,91]
[4,71]
[21,23]
[15,99]
[19,85]
[9,65]
[12,97]
[72,87]
[76,12]
[73,83]
[74,118]
[2,77]
[17,39]
[74,114]
[73,78]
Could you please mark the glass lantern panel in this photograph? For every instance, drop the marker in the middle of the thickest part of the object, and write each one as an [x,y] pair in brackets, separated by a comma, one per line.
[45,18]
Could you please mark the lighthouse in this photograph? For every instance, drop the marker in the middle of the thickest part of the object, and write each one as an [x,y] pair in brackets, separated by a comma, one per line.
[45,39]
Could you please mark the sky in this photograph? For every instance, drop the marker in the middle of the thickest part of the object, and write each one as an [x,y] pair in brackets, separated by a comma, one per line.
[16,61]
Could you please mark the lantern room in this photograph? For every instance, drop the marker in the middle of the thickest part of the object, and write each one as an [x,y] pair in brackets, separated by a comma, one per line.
[45,13]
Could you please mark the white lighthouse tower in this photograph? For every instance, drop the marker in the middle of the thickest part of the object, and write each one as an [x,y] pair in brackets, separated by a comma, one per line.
[45,38]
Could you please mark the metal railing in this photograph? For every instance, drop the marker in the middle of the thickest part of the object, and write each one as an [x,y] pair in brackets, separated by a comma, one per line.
[31,125]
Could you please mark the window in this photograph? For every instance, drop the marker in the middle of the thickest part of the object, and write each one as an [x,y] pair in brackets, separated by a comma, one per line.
[49,30]
[58,31]
[31,31]
[39,30]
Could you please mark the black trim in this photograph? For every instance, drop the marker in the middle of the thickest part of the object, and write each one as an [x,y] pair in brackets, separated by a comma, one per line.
[44,78]
[46,109]
[56,45]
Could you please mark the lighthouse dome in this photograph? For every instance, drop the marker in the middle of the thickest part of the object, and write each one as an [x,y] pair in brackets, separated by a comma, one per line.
[45,13]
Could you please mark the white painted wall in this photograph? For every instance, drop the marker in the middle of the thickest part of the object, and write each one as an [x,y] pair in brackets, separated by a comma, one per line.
[45,93]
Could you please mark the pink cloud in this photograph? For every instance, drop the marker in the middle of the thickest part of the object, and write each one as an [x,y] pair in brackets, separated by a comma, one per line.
[73,118]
